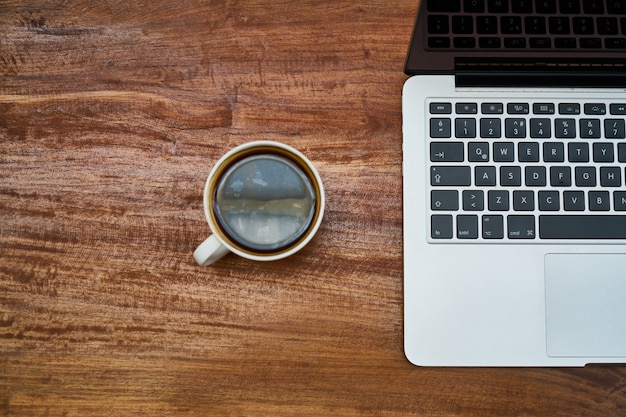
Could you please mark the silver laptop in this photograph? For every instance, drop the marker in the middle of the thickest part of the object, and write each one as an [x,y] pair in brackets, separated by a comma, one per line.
[514,142]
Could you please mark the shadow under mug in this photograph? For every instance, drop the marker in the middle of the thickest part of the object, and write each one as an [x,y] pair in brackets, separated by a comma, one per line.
[263,200]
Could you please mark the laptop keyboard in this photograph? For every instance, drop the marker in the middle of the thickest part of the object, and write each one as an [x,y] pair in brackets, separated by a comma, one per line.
[526,170]
[535,24]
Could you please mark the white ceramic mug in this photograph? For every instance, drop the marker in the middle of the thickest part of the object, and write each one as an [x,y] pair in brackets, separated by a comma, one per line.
[263,200]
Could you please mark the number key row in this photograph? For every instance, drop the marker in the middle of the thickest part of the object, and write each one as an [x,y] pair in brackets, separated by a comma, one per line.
[490,128]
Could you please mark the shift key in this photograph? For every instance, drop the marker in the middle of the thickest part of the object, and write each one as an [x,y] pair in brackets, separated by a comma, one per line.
[450,176]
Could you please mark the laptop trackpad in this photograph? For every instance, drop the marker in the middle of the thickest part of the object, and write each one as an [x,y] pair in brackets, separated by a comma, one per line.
[586,305]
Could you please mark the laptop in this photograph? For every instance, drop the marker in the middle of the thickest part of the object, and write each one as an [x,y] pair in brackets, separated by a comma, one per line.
[514,165]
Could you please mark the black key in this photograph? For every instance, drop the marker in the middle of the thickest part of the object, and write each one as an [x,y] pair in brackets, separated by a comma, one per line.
[545,6]
[528,152]
[535,25]
[474,6]
[473,200]
[565,43]
[540,128]
[582,227]
[498,200]
[438,25]
[511,25]
[622,152]
[615,43]
[618,109]
[616,7]
[570,6]
[441,108]
[593,6]
[615,129]
[553,152]
[559,25]
[503,152]
[549,201]
[523,200]
[585,176]
[438,42]
[540,43]
[590,128]
[560,176]
[599,201]
[467,227]
[466,108]
[462,24]
[444,200]
[444,6]
[569,108]
[498,6]
[610,177]
[515,128]
[595,108]
[619,200]
[583,26]
[603,152]
[574,201]
[441,226]
[608,26]
[515,43]
[578,152]
[565,128]
[465,128]
[450,176]
[490,128]
[521,227]
[489,43]
[493,227]
[543,108]
[510,176]
[446,152]
[492,108]
[535,176]
[485,176]
[478,151]
[518,108]
[440,128]
[522,6]
[590,43]
[487,25]
[464,42]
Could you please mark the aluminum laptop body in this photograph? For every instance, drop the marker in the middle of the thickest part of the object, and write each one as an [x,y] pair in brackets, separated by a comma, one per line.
[514,169]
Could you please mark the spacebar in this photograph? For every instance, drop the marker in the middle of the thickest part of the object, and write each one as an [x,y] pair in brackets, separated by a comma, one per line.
[582,227]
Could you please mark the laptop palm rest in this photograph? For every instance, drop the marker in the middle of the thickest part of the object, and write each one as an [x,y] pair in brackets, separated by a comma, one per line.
[586,305]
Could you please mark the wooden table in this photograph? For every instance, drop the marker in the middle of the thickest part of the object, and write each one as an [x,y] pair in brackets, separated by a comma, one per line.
[112,113]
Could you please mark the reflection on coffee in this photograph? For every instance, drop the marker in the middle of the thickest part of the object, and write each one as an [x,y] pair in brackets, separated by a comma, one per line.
[264,202]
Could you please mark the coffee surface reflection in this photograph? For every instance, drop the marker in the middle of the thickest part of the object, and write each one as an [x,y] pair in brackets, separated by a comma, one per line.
[264,202]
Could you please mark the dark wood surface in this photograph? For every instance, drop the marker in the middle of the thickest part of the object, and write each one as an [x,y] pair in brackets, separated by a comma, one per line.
[112,113]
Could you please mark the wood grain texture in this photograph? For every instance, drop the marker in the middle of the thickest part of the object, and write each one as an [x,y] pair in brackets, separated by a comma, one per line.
[112,113]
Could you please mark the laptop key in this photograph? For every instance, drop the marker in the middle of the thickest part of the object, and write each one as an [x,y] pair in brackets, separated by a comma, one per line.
[521,227]
[582,227]
[450,175]
[444,6]
[441,226]
[446,152]
[493,227]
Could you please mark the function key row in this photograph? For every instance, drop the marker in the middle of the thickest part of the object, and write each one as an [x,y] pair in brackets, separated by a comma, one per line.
[527,6]
[524,108]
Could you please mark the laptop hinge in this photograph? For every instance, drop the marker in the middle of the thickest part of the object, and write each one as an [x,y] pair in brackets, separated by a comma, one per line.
[535,72]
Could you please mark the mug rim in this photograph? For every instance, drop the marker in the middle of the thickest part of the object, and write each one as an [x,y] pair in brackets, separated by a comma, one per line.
[233,156]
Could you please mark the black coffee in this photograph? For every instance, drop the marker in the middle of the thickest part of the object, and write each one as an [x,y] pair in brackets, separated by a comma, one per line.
[265,202]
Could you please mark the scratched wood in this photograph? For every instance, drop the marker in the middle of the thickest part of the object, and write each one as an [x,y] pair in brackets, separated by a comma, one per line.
[111,116]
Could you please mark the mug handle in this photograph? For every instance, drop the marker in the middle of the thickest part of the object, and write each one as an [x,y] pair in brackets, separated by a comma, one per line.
[209,251]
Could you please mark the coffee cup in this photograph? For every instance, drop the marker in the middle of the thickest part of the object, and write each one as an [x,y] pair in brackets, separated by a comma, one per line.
[263,200]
